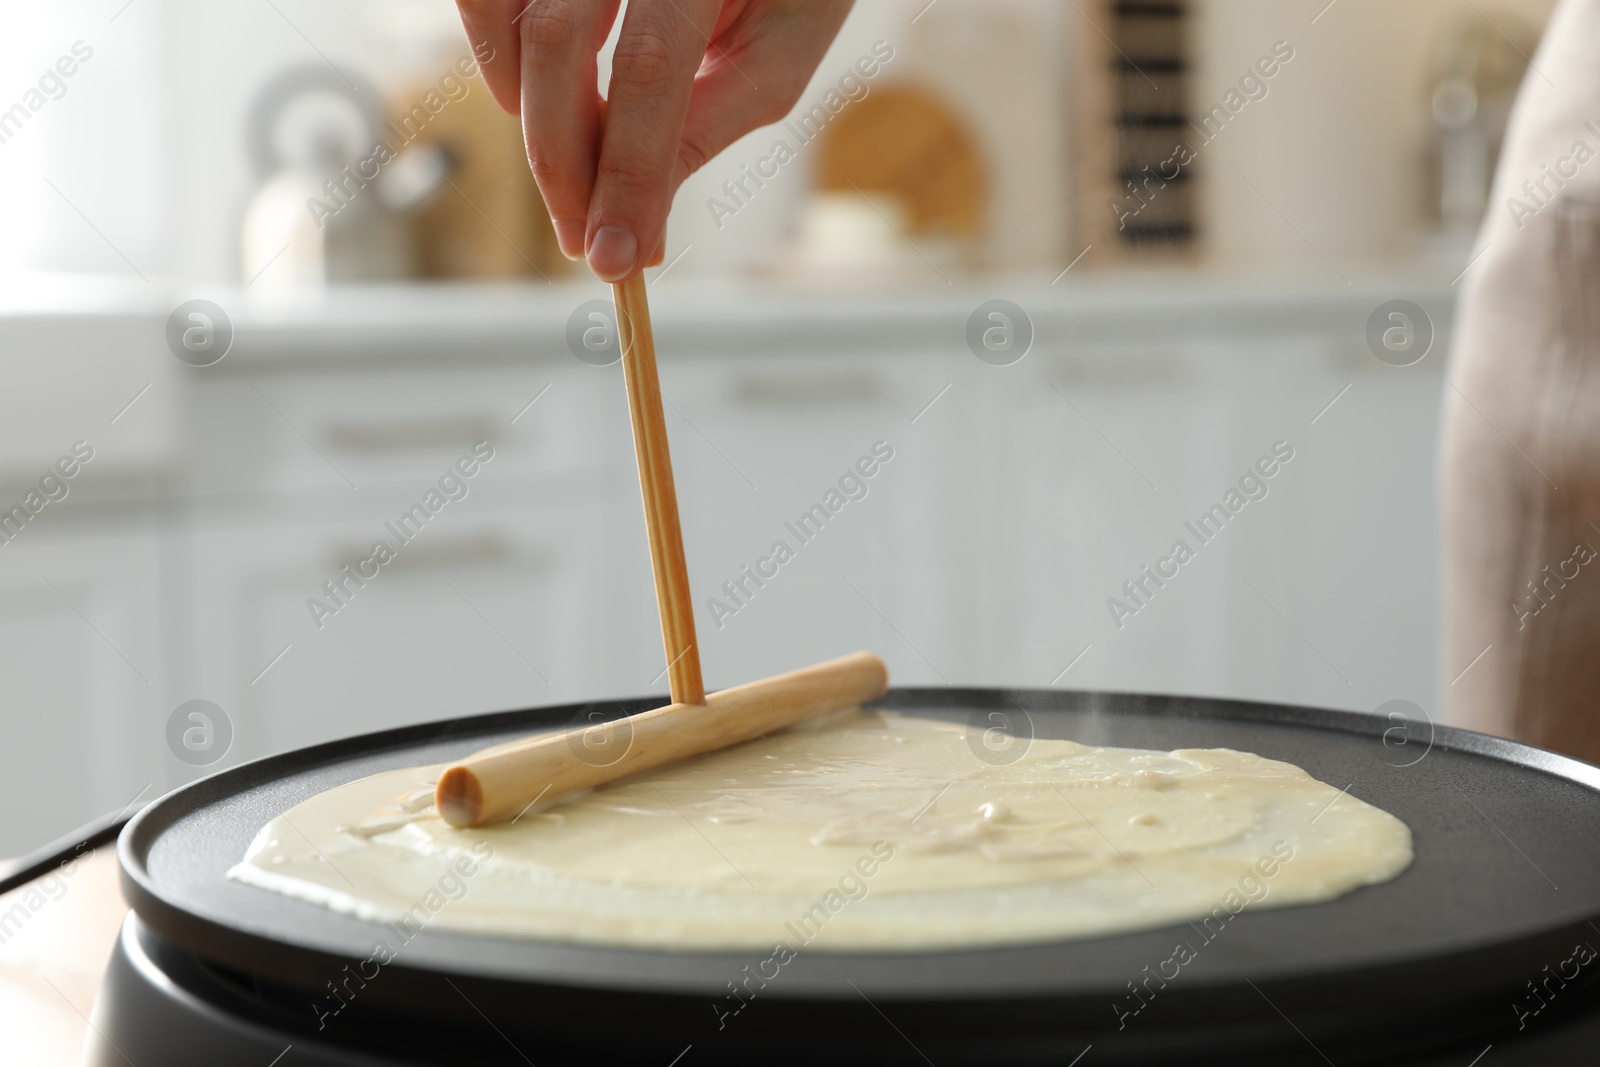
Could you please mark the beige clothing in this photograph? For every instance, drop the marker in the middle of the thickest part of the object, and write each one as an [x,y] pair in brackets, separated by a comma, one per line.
[1521,436]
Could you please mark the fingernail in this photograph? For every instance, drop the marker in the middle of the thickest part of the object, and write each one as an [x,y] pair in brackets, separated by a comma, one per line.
[569,235]
[613,252]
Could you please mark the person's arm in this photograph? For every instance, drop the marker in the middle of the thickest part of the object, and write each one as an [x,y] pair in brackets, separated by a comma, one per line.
[688,78]
[1520,444]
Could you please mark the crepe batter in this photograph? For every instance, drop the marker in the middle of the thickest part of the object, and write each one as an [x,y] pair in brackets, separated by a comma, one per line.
[867,831]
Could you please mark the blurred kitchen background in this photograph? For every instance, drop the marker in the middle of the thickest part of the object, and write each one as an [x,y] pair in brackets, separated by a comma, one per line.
[1193,209]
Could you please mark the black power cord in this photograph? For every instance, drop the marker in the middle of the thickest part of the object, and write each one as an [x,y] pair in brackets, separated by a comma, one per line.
[15,873]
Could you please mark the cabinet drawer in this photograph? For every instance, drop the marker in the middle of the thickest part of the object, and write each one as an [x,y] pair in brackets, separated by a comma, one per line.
[318,432]
[481,610]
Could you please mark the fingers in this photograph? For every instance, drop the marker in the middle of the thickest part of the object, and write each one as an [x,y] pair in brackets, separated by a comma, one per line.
[493,37]
[658,51]
[758,68]
[608,184]
[561,106]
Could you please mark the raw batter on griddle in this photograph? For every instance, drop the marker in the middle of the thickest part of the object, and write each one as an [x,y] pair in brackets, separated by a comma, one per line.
[870,830]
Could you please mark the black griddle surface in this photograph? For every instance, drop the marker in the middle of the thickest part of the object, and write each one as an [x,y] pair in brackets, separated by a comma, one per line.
[1507,871]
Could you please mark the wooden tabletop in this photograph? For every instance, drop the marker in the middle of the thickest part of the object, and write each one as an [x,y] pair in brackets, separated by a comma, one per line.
[56,935]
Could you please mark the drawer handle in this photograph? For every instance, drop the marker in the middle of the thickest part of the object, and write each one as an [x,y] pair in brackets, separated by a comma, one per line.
[401,435]
[462,550]
[812,390]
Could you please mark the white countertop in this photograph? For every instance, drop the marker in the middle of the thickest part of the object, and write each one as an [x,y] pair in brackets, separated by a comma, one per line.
[734,316]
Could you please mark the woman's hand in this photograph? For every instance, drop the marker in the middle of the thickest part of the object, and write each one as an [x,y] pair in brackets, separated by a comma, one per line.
[688,78]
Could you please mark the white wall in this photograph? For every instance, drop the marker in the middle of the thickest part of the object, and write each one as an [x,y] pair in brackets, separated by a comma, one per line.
[101,144]
[1338,145]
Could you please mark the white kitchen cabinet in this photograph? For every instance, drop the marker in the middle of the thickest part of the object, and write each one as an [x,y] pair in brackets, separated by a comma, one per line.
[1087,461]
[757,442]
[85,669]
[489,607]
[255,430]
